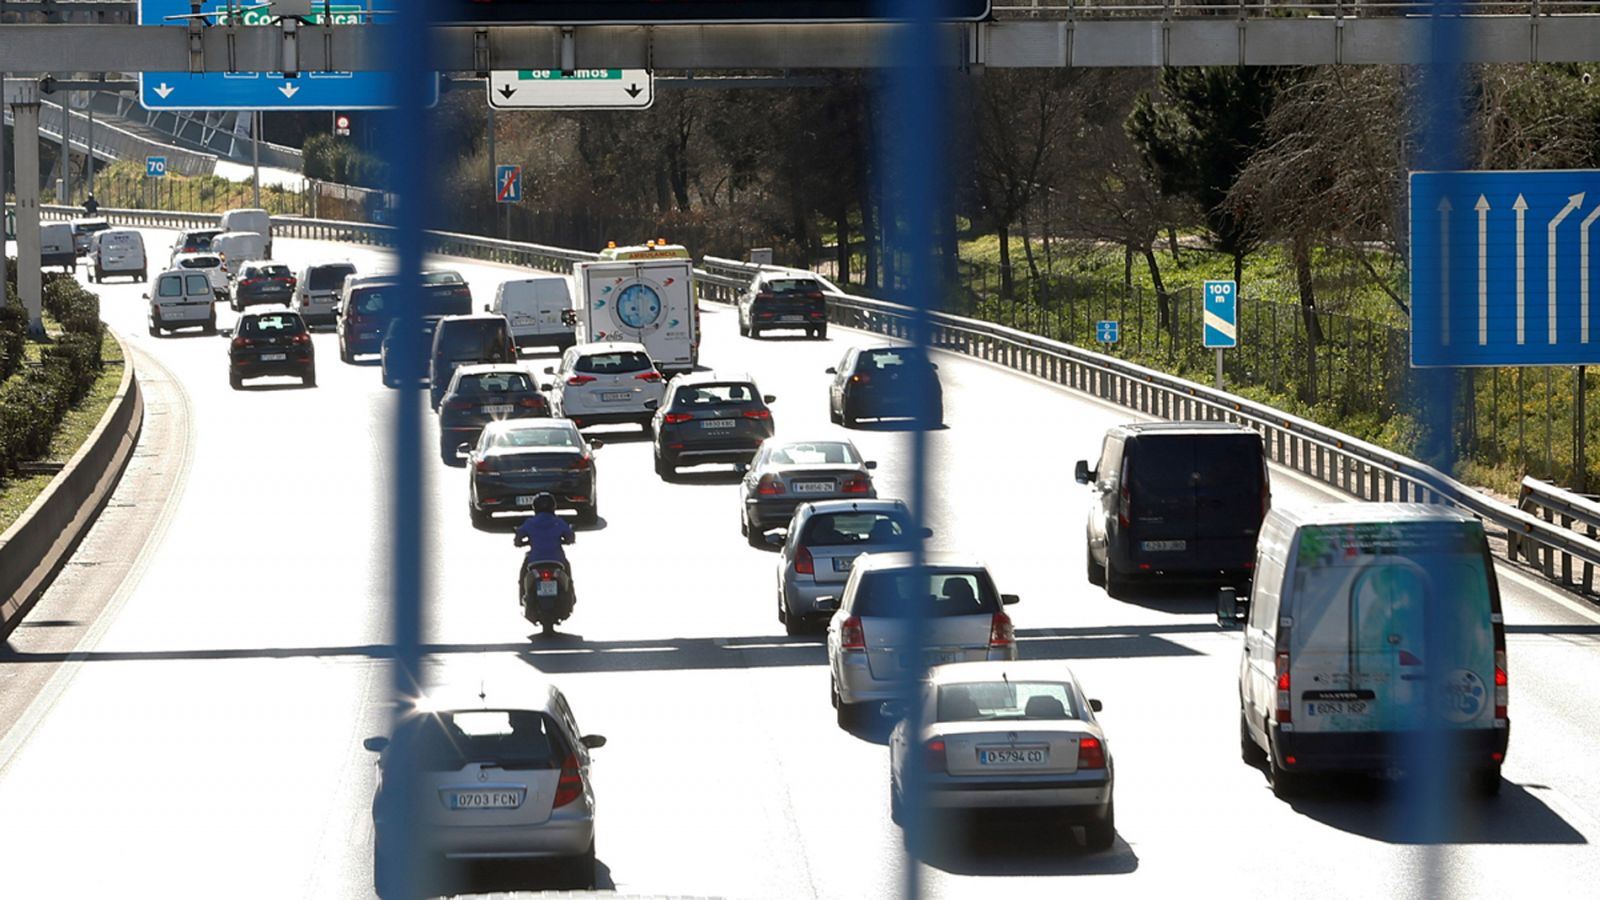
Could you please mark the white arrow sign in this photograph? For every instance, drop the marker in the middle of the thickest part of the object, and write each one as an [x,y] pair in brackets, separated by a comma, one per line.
[1583,275]
[163,91]
[1573,202]
[1521,206]
[1482,206]
[288,91]
[579,89]
[1444,267]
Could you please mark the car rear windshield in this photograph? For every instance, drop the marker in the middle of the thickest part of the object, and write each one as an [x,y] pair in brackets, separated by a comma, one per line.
[1176,462]
[888,359]
[371,301]
[794,286]
[200,262]
[977,701]
[938,594]
[475,338]
[444,300]
[272,324]
[327,278]
[847,528]
[171,286]
[536,437]
[617,363]
[494,383]
[445,277]
[199,241]
[716,394]
[511,739]
[815,453]
[274,271]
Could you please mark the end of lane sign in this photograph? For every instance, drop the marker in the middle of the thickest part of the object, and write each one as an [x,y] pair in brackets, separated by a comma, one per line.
[579,89]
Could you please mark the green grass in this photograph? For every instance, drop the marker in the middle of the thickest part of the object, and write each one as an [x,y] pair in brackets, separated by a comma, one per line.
[18,493]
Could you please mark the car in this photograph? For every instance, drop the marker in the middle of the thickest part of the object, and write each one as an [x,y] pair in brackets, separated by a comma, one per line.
[364,316]
[502,773]
[262,282]
[181,298]
[449,283]
[83,231]
[515,460]
[255,221]
[389,354]
[821,543]
[1367,626]
[1013,736]
[465,340]
[868,653]
[606,383]
[539,309]
[271,343]
[56,246]
[211,265]
[710,418]
[895,382]
[116,251]
[478,395]
[1175,500]
[316,291]
[785,474]
[195,240]
[783,300]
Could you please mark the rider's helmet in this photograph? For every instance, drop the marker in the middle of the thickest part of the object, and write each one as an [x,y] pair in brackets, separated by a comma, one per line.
[544,502]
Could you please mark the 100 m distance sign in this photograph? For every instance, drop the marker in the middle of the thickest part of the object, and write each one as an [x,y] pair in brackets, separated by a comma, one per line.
[599,12]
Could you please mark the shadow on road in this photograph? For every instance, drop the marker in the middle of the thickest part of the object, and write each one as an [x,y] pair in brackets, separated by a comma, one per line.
[1382,810]
[999,843]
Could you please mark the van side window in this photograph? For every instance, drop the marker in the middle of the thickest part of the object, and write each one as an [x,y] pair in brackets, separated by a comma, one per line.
[1264,592]
[1110,460]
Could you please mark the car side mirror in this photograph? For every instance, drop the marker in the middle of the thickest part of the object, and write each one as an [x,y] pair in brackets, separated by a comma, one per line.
[545,386]
[1081,474]
[776,539]
[1009,599]
[741,468]
[652,404]
[828,604]
[768,398]
[593,741]
[893,710]
[549,370]
[926,532]
[1096,705]
[870,464]
[486,308]
[463,451]
[225,332]
[376,744]
[1231,608]
[831,370]
[596,443]
[144,296]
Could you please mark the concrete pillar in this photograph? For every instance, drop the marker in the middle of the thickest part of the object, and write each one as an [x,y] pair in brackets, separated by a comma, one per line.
[23,96]
[64,184]
[3,207]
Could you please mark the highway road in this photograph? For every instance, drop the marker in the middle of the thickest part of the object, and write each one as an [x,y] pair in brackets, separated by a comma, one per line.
[186,707]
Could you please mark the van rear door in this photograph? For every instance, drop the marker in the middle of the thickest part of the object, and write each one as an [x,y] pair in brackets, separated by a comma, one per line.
[1158,480]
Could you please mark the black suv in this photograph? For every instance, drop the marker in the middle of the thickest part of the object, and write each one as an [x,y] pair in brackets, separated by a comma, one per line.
[466,340]
[777,300]
[884,383]
[710,418]
[271,343]
[1175,498]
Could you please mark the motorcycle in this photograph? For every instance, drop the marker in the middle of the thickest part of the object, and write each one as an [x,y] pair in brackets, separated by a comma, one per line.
[547,594]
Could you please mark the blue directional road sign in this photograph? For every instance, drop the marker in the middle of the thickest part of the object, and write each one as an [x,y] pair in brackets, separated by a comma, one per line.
[260,90]
[1221,314]
[1105,331]
[1504,268]
[155,166]
[508,184]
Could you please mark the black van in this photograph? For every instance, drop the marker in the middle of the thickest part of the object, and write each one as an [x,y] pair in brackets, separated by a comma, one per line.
[466,339]
[1181,499]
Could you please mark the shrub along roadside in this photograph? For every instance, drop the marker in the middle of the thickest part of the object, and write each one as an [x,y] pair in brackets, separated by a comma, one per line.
[34,401]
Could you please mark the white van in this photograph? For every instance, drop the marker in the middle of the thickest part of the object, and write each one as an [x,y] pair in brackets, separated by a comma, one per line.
[181,298]
[535,308]
[316,291]
[1371,627]
[255,220]
[116,251]
[237,248]
[55,246]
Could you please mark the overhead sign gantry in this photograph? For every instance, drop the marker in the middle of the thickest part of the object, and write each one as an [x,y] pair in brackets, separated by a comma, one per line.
[688,12]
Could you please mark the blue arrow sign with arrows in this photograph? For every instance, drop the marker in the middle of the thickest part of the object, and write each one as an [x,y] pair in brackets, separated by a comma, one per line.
[1504,268]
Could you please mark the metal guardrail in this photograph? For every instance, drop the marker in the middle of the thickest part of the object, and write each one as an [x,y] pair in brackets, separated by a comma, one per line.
[1357,468]
[1575,512]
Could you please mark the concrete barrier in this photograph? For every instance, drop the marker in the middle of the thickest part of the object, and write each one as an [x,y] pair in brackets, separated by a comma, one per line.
[37,545]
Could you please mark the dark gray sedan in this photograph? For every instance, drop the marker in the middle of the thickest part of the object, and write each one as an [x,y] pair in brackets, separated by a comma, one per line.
[785,474]
[515,460]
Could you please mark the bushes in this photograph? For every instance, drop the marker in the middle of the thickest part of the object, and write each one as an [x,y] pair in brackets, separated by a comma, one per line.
[76,309]
[33,404]
[13,336]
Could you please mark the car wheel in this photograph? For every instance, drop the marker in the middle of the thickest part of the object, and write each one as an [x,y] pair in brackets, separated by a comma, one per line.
[580,871]
[1096,572]
[1102,835]
[744,330]
[846,418]
[845,714]
[833,414]
[211,325]
[897,808]
[92,273]
[821,333]
[1285,784]
[154,330]
[588,515]
[754,331]
[753,535]
[309,379]
[480,518]
[143,276]
[235,382]
[1116,582]
[1486,782]
[344,353]
[1249,750]
[664,469]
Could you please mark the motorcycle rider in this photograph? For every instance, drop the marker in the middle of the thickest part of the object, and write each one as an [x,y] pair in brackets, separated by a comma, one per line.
[91,205]
[543,534]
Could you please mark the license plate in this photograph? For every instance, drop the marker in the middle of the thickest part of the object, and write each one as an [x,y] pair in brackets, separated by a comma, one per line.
[842,563]
[525,500]
[486,799]
[1337,708]
[495,409]
[1158,546]
[717,423]
[791,318]
[813,487]
[274,357]
[907,660]
[546,589]
[1013,756]
[614,396]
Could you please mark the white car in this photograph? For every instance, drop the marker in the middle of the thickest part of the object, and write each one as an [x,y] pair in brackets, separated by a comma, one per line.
[209,263]
[606,383]
[1012,736]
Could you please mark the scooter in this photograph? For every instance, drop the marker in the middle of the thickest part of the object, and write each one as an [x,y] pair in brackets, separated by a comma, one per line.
[547,593]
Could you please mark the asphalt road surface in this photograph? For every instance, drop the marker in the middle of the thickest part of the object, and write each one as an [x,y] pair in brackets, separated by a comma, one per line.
[184,711]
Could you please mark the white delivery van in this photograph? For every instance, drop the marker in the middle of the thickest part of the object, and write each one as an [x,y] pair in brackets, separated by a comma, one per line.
[1372,631]
[643,295]
[116,251]
[181,298]
[236,248]
[536,309]
[254,220]
[55,246]
[316,292]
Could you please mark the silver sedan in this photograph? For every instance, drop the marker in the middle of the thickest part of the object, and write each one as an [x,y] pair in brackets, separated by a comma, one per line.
[821,544]
[785,474]
[1009,735]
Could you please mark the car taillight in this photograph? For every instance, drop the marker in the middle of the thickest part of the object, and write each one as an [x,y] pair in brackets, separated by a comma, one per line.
[243,342]
[1285,714]
[531,402]
[677,418]
[580,379]
[581,464]
[933,755]
[300,339]
[813,295]
[458,404]
[1091,754]
[249,281]
[1125,496]
[851,635]
[1001,633]
[651,375]
[1501,685]
[758,413]
[770,486]
[487,464]
[857,484]
[570,786]
[803,563]
[766,297]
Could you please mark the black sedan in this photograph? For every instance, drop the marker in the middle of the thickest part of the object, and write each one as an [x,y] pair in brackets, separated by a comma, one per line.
[885,383]
[271,343]
[515,460]
[478,395]
[710,418]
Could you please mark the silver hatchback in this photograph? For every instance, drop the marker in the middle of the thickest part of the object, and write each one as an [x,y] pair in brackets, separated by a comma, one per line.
[820,546]
[869,648]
